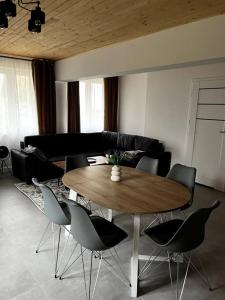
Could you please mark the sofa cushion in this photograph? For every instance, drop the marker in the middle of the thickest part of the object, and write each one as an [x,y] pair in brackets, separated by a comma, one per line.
[125,142]
[129,155]
[145,144]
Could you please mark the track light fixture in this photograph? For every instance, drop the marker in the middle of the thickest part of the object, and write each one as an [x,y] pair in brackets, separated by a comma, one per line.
[8,10]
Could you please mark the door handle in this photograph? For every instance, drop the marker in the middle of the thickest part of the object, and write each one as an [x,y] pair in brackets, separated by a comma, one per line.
[222,131]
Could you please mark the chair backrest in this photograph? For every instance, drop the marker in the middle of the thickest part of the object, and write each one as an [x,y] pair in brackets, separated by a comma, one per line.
[148,164]
[184,175]
[192,231]
[4,152]
[52,208]
[83,230]
[75,162]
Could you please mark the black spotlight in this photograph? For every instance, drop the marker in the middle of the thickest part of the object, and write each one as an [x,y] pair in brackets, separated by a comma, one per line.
[9,8]
[38,16]
[3,21]
[34,27]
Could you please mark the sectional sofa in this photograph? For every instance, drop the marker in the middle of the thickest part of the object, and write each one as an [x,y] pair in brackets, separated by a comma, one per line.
[55,147]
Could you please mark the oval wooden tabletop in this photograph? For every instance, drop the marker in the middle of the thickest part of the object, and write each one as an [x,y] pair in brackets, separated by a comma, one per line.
[138,192]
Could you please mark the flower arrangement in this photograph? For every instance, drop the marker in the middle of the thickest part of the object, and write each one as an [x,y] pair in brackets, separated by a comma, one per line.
[114,159]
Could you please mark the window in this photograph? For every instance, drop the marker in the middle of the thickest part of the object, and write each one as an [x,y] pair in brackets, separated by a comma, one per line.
[18,111]
[92,105]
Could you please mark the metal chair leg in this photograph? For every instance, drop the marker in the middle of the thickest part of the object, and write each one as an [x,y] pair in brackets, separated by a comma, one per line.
[57,252]
[177,287]
[42,238]
[185,278]
[170,273]
[157,219]
[7,167]
[96,279]
[148,263]
[118,262]
[203,276]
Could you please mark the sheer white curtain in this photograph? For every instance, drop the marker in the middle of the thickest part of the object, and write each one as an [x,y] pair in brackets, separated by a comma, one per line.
[18,110]
[92,105]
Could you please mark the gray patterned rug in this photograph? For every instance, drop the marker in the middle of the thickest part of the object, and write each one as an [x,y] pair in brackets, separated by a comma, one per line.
[34,193]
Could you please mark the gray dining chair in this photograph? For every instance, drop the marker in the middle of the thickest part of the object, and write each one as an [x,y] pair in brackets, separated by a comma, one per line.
[148,164]
[96,235]
[151,166]
[73,162]
[177,237]
[186,176]
[57,213]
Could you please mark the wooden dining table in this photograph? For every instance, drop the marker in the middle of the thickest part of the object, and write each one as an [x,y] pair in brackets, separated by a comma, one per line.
[137,193]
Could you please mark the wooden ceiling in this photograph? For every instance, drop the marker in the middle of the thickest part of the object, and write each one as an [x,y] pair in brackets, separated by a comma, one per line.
[77,26]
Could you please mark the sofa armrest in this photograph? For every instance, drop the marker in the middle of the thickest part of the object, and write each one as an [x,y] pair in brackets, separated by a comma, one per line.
[21,165]
[26,166]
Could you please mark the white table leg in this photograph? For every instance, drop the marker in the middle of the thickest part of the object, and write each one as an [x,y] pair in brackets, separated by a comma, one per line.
[110,215]
[73,195]
[134,258]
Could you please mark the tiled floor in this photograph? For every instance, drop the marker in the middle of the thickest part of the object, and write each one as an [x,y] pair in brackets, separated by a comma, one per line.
[25,275]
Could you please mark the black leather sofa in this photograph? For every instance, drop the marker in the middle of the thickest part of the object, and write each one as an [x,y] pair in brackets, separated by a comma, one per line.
[56,147]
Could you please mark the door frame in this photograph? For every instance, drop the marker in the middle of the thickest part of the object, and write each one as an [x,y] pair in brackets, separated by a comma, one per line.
[196,85]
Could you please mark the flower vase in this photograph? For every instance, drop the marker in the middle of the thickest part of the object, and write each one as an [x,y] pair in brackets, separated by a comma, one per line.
[115,173]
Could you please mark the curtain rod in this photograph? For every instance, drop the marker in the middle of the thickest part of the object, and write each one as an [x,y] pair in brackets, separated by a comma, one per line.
[11,57]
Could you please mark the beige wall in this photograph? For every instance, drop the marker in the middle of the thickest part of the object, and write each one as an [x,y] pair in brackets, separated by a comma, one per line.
[197,41]
[132,93]
[168,96]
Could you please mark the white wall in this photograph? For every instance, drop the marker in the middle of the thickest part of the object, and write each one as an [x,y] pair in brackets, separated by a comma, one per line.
[132,94]
[61,107]
[193,42]
[167,105]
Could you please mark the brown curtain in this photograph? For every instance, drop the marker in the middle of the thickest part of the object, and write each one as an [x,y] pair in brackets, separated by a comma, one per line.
[44,84]
[111,103]
[73,107]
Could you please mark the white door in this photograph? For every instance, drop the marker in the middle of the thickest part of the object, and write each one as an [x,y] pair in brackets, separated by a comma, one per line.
[209,138]
[209,154]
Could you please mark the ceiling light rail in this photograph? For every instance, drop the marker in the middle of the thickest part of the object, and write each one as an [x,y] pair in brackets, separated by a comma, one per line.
[8,10]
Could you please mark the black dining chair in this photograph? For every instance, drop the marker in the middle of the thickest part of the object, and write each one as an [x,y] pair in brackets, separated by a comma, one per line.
[75,161]
[4,156]
[177,237]
[96,235]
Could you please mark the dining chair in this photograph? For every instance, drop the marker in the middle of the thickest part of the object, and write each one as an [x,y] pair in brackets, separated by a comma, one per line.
[75,161]
[186,176]
[96,235]
[4,157]
[79,161]
[177,237]
[148,164]
[57,214]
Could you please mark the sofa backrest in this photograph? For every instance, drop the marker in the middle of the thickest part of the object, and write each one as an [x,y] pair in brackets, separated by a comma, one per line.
[65,143]
[145,144]
[75,143]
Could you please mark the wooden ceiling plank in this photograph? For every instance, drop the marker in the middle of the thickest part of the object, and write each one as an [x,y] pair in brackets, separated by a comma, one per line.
[73,27]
